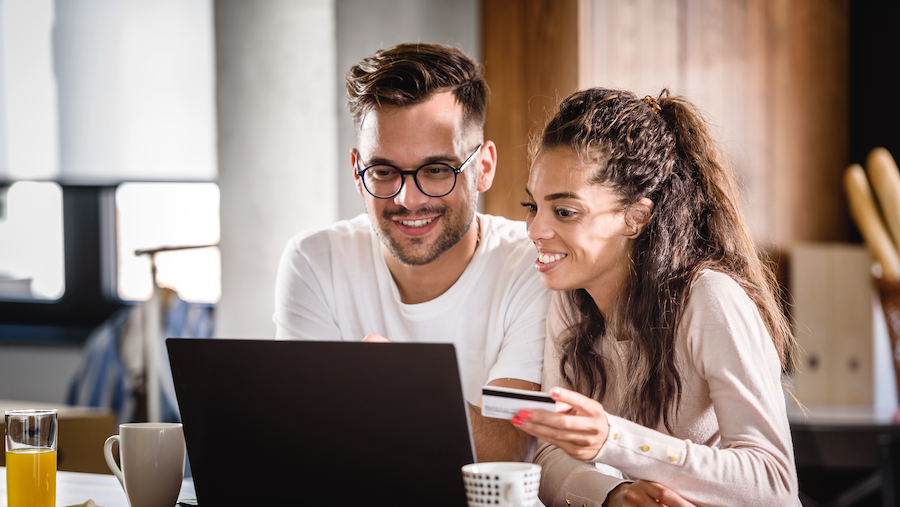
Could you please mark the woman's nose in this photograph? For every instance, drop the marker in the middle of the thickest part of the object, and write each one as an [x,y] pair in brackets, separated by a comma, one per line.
[537,227]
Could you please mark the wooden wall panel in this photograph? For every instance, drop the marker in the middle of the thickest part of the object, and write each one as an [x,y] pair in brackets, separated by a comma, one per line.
[530,58]
[716,69]
[702,49]
[811,122]
[639,51]
[758,174]
[771,76]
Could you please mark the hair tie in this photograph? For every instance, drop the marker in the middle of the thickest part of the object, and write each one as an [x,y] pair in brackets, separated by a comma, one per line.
[653,103]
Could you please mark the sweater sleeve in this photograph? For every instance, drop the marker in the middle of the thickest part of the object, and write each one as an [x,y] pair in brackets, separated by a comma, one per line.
[567,481]
[730,348]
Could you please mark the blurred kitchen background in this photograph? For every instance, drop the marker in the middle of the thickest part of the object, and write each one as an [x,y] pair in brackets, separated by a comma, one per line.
[221,125]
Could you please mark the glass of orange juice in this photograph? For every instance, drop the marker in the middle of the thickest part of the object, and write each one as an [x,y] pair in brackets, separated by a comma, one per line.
[31,457]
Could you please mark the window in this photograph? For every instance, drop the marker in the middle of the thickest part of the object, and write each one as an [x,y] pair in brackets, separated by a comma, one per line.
[93,94]
[155,215]
[31,232]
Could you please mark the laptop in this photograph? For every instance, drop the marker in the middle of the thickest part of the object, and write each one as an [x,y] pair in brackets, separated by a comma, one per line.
[322,423]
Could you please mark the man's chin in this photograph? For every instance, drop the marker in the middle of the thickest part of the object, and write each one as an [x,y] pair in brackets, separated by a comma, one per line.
[405,256]
[421,250]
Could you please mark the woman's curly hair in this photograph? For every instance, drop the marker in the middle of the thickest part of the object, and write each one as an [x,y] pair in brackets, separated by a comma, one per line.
[660,149]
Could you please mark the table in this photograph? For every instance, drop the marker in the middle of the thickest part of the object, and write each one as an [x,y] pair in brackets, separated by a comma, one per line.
[75,488]
[854,444]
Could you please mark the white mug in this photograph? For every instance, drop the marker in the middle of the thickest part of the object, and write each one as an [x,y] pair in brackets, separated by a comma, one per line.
[503,484]
[152,457]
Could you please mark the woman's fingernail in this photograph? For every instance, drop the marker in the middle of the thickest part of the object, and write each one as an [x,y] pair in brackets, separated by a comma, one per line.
[524,414]
[517,421]
[555,393]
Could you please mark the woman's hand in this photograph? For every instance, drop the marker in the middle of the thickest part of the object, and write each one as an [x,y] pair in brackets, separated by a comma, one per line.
[579,431]
[644,494]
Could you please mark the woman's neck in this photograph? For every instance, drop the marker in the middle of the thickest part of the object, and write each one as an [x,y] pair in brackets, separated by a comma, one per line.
[605,291]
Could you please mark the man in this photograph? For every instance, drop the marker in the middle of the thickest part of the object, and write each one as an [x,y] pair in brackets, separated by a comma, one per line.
[421,265]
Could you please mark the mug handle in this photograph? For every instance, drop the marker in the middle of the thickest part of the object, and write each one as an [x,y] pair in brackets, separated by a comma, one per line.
[513,493]
[110,461]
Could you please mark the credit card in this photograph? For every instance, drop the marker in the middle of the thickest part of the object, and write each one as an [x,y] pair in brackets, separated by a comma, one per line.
[505,402]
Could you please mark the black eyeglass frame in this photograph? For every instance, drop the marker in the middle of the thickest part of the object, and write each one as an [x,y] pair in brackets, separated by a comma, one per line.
[415,174]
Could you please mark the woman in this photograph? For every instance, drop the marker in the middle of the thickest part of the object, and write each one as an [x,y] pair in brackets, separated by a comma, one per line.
[666,332]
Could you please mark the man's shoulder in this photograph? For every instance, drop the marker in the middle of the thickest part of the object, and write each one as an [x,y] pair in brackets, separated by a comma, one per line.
[340,233]
[507,232]
[508,251]
[507,239]
[345,240]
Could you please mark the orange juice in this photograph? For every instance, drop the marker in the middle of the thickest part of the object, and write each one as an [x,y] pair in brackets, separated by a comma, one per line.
[31,477]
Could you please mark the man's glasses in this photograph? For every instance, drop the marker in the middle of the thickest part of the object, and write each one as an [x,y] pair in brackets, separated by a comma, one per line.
[434,180]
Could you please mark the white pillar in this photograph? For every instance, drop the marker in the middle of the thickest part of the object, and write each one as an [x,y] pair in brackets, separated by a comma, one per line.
[277,141]
[28,115]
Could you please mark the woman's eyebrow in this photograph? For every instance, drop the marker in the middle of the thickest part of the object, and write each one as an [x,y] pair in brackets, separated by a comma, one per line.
[558,195]
[562,195]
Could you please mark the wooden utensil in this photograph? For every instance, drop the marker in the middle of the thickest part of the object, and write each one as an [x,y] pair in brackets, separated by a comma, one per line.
[865,215]
[885,179]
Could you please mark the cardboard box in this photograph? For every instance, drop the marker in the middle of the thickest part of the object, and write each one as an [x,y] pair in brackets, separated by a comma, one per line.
[831,286]
[82,433]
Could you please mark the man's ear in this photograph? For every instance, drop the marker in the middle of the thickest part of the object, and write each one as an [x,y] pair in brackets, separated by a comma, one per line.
[637,216]
[359,185]
[487,167]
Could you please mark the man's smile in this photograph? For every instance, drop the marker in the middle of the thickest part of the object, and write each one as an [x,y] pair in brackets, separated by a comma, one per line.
[416,223]
[416,226]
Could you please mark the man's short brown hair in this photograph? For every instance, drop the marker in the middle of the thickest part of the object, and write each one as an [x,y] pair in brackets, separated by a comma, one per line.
[408,74]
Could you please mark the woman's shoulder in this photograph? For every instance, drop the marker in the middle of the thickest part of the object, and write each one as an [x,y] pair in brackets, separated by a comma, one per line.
[718,302]
[720,314]
[715,290]
[710,281]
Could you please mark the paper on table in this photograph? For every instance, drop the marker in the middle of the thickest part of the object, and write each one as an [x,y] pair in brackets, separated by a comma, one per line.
[89,503]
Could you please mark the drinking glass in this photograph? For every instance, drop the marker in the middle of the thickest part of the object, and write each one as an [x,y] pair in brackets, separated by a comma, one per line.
[31,457]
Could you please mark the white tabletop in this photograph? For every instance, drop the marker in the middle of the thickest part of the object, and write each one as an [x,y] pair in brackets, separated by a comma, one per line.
[842,415]
[74,488]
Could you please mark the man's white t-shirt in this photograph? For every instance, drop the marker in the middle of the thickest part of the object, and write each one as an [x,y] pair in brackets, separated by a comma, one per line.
[334,284]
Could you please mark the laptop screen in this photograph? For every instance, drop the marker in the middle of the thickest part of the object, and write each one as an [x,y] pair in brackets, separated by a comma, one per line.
[293,421]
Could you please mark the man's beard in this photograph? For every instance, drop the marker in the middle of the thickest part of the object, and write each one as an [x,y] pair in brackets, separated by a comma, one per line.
[417,252]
